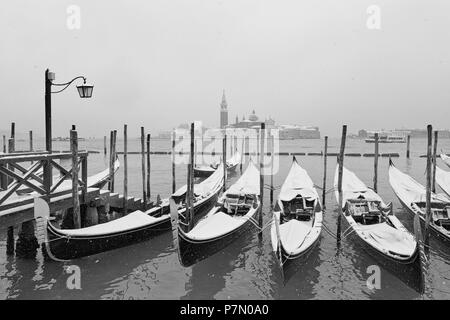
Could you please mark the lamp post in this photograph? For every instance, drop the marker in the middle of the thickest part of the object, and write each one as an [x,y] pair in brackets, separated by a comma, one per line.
[84,90]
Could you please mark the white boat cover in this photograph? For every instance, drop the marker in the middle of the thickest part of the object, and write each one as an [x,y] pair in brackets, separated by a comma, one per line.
[217,224]
[409,190]
[205,187]
[443,180]
[385,236]
[234,160]
[136,219]
[446,159]
[297,182]
[248,183]
[353,187]
[293,234]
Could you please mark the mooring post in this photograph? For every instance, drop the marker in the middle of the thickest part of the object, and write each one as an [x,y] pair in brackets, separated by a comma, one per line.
[75,169]
[272,148]
[375,164]
[324,185]
[4,144]
[148,168]
[27,242]
[13,130]
[429,177]
[104,145]
[242,152]
[114,157]
[436,133]
[11,149]
[125,170]
[224,159]
[10,241]
[408,145]
[111,161]
[173,162]
[144,192]
[191,179]
[261,176]
[340,173]
[31,139]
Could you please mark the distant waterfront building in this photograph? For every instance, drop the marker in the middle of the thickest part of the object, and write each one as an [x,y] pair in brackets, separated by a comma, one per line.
[290,132]
[223,112]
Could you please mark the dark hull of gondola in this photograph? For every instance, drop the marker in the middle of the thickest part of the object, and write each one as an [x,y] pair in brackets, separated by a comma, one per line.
[191,252]
[202,173]
[63,248]
[408,271]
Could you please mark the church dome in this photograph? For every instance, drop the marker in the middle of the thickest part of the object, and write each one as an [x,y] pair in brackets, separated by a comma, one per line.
[253,116]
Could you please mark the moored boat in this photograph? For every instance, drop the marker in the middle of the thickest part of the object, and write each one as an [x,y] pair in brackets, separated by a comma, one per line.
[66,244]
[297,222]
[207,170]
[375,226]
[412,195]
[233,214]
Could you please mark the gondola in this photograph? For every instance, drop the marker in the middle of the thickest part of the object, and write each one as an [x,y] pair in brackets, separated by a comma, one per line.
[374,225]
[207,170]
[297,222]
[412,195]
[446,159]
[66,244]
[233,215]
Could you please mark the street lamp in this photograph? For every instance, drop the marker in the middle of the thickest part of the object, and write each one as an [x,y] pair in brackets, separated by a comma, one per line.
[84,90]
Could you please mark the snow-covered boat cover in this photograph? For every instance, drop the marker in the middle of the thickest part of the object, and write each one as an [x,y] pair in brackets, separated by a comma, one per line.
[136,219]
[353,187]
[297,182]
[248,183]
[409,190]
[443,180]
[205,187]
[446,159]
[234,160]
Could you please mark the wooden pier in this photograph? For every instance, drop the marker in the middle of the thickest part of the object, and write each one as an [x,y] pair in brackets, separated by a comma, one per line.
[92,205]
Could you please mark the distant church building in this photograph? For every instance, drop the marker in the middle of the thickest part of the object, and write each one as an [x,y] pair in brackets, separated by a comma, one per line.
[223,112]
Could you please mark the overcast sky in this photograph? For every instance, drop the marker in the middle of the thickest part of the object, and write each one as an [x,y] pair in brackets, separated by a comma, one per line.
[160,63]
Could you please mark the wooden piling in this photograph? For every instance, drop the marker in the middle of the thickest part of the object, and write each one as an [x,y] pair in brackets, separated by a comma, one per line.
[436,133]
[4,144]
[340,173]
[111,161]
[429,177]
[173,162]
[272,151]
[144,191]
[324,186]
[224,159]
[13,130]
[11,149]
[242,153]
[408,145]
[114,157]
[125,170]
[76,200]
[30,133]
[104,145]
[148,169]
[375,164]
[261,175]
[191,179]
[10,241]
[74,127]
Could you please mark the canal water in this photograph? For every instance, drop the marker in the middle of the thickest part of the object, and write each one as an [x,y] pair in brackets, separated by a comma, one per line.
[246,269]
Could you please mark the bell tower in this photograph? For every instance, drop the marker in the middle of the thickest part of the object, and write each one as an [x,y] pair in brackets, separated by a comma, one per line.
[223,112]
